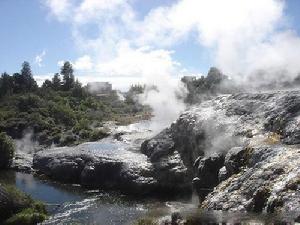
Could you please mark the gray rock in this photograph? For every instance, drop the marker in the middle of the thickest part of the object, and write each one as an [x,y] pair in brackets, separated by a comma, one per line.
[223,174]
[208,174]
[111,164]
[267,125]
[161,145]
[235,159]
[271,184]
[201,147]
[22,162]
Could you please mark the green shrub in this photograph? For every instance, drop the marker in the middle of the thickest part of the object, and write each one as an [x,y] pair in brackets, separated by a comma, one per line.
[29,216]
[28,102]
[22,208]
[84,134]
[7,149]
[68,139]
[62,114]
[82,124]
[98,134]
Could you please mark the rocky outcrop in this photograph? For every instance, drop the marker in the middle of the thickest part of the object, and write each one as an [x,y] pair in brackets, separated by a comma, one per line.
[240,150]
[207,174]
[22,162]
[111,164]
[270,181]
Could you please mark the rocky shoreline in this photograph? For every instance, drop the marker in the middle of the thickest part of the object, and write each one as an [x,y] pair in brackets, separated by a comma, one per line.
[243,149]
[240,152]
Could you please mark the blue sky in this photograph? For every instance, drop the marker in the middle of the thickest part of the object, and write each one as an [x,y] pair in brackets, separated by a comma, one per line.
[56,32]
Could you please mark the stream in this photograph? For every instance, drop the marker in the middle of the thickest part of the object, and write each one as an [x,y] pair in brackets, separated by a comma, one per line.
[71,204]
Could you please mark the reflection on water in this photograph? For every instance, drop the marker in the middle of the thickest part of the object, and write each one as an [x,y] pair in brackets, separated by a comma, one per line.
[69,204]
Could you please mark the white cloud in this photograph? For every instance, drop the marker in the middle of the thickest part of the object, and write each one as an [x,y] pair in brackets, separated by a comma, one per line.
[139,62]
[60,63]
[242,36]
[42,77]
[83,63]
[39,58]
[232,29]
[91,10]
[59,8]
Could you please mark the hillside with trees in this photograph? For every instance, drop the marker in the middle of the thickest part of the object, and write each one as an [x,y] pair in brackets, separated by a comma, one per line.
[61,111]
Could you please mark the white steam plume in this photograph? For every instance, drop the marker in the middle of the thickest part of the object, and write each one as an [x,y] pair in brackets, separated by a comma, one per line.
[26,143]
[242,37]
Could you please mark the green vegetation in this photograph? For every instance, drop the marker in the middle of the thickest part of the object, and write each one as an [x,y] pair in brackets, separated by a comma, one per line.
[7,149]
[22,209]
[29,216]
[201,88]
[61,111]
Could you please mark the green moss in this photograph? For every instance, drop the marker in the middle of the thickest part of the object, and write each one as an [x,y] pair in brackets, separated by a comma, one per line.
[28,216]
[7,150]
[98,134]
[25,210]
[19,198]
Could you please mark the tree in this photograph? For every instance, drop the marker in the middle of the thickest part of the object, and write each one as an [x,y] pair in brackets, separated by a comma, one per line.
[47,84]
[56,82]
[7,149]
[78,91]
[28,83]
[68,76]
[6,85]
[132,95]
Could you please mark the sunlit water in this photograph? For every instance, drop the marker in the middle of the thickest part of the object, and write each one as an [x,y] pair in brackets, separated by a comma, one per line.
[69,204]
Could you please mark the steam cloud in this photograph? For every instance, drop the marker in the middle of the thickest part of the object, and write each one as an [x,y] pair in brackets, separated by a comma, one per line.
[26,144]
[241,36]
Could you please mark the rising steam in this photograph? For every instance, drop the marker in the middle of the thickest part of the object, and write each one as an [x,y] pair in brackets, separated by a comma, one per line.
[250,41]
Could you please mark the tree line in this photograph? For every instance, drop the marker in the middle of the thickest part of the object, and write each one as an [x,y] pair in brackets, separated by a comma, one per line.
[23,81]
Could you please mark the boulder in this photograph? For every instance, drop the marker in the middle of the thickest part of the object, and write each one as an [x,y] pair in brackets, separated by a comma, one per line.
[159,146]
[111,164]
[235,159]
[208,174]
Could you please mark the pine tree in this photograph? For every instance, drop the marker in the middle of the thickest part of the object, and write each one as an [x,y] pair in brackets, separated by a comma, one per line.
[68,76]
[26,79]
[56,82]
[6,85]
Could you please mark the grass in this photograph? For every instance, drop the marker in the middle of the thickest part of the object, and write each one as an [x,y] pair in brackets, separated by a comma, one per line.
[28,216]
[26,211]
[18,197]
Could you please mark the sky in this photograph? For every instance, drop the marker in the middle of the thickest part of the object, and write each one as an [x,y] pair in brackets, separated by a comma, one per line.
[137,41]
